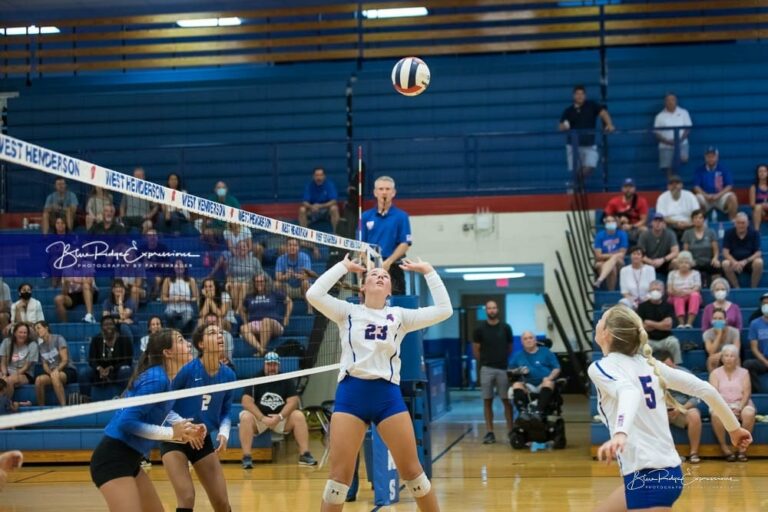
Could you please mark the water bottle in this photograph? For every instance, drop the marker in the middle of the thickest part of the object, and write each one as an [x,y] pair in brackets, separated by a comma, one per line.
[82,354]
[25,223]
[535,447]
[720,231]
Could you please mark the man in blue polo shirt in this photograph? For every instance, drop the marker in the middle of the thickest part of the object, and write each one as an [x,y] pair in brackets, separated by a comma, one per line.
[320,200]
[610,247]
[713,185]
[742,252]
[388,227]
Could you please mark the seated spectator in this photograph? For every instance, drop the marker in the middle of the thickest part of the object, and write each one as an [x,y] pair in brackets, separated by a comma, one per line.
[635,279]
[672,116]
[221,194]
[179,294]
[217,302]
[702,243]
[720,290]
[758,196]
[94,208]
[61,203]
[742,252]
[172,220]
[109,358]
[717,336]
[540,369]
[121,308]
[5,305]
[18,358]
[234,234]
[154,325]
[27,309]
[108,225]
[713,185]
[135,286]
[659,244]
[758,344]
[689,418]
[677,205]
[76,290]
[684,290]
[225,356]
[242,266]
[657,316]
[633,207]
[260,312]
[135,211]
[610,246]
[320,200]
[273,406]
[293,272]
[732,381]
[56,368]
[156,266]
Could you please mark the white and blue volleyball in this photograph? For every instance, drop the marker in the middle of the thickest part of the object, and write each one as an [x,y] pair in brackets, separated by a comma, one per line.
[410,76]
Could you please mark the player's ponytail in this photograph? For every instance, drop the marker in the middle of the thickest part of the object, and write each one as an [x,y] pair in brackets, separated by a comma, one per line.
[647,352]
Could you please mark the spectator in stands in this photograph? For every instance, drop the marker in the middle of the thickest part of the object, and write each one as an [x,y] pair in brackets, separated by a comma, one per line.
[732,381]
[758,344]
[702,243]
[610,247]
[221,194]
[120,307]
[217,302]
[5,305]
[691,419]
[242,266]
[684,289]
[135,211]
[109,225]
[154,325]
[273,406]
[60,227]
[77,290]
[659,244]
[635,279]
[234,234]
[320,200]
[633,207]
[27,309]
[135,285]
[713,185]
[717,336]
[758,195]
[742,252]
[677,205]
[672,116]
[540,369]
[581,117]
[720,290]
[109,358]
[98,198]
[61,203]
[390,228]
[56,368]
[293,272]
[226,355]
[173,219]
[179,294]
[18,358]
[156,266]
[658,315]
[260,312]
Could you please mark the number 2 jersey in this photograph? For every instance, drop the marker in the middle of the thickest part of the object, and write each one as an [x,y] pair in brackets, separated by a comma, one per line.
[630,400]
[371,338]
[213,408]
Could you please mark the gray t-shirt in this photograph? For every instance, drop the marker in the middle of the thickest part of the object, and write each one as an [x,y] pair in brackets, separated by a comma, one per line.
[243,269]
[700,248]
[731,335]
[136,207]
[58,202]
[657,247]
[19,356]
[50,351]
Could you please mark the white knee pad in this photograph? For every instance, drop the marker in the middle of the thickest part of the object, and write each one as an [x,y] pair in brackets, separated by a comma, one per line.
[335,493]
[419,486]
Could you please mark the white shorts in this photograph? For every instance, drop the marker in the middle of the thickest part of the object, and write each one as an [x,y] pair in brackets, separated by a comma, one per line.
[588,156]
[718,204]
[261,427]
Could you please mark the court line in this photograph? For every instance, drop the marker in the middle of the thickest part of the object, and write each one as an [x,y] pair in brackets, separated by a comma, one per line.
[36,475]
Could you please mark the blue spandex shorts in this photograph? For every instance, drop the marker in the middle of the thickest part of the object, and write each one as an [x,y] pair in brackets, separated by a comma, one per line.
[372,401]
[653,488]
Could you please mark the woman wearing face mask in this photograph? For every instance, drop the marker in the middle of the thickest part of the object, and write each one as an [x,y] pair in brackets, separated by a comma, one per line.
[732,381]
[610,247]
[720,290]
[27,309]
[717,337]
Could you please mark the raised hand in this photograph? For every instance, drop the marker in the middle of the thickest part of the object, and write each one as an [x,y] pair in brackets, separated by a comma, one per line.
[416,265]
[352,265]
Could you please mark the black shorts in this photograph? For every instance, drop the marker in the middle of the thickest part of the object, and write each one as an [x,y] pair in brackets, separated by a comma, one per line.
[78,300]
[192,455]
[114,459]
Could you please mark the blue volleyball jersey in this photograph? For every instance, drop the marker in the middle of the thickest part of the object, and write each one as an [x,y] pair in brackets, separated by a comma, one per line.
[139,427]
[212,409]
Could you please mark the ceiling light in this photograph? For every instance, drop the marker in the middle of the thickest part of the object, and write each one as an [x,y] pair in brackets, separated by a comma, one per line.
[403,12]
[32,30]
[469,270]
[209,22]
[492,276]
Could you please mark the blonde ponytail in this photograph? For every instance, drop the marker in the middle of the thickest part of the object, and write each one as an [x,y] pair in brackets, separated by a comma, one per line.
[647,352]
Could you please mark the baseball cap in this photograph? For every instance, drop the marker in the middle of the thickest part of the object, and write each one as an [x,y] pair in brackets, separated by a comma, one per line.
[271,357]
[675,178]
[658,215]
[764,296]
[629,182]
[711,149]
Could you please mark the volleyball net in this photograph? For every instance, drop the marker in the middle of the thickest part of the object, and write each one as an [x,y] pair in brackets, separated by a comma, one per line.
[112,257]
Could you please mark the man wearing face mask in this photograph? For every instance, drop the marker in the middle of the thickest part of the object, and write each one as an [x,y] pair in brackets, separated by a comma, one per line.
[611,245]
[758,341]
[658,318]
[27,309]
[109,358]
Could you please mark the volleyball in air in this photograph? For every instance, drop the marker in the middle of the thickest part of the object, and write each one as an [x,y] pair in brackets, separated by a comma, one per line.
[410,76]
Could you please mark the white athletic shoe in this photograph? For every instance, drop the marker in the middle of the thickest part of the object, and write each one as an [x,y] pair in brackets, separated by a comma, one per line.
[89,319]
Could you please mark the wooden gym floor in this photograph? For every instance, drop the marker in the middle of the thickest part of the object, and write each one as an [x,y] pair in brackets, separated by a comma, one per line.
[468,476]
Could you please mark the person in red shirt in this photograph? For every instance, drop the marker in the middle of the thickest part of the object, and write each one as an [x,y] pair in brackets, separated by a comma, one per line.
[631,208]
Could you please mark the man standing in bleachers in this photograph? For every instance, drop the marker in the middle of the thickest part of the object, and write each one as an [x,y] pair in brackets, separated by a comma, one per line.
[582,118]
[672,116]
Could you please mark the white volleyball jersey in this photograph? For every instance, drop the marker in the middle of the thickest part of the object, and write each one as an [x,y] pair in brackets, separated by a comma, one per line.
[371,338]
[630,400]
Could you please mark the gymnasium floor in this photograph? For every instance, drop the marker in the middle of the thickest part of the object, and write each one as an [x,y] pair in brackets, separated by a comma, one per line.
[468,476]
